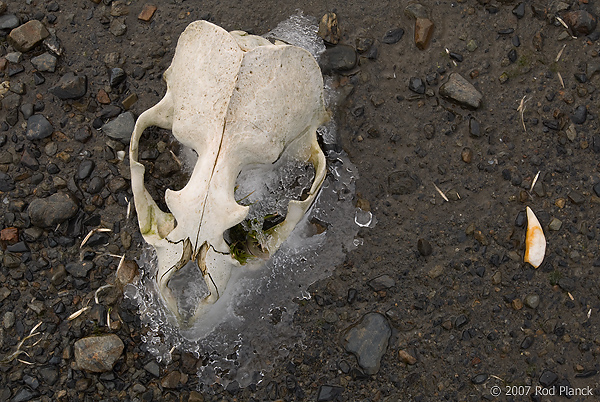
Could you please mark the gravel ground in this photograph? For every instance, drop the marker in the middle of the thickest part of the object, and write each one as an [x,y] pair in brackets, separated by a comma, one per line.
[437,304]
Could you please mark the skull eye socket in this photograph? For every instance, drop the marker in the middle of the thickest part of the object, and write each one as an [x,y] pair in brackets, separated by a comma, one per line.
[267,191]
[167,163]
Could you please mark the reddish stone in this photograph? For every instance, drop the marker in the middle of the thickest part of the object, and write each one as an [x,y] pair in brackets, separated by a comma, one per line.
[98,354]
[147,12]
[9,235]
[102,97]
[423,32]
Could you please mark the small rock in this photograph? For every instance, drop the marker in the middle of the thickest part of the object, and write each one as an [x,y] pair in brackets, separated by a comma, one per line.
[28,35]
[596,189]
[129,101]
[6,182]
[49,212]
[9,235]
[80,269]
[401,183]
[329,393]
[147,12]
[8,21]
[24,395]
[363,44]
[416,10]
[38,128]
[8,320]
[328,29]
[382,282]
[171,380]
[102,97]
[116,76]
[406,357]
[517,304]
[44,62]
[52,43]
[120,128]
[49,375]
[566,284]
[576,197]
[14,57]
[532,300]
[459,90]
[98,354]
[119,8]
[555,224]
[548,378]
[70,86]
[368,341]
[416,85]
[579,115]
[338,59]
[479,378]
[519,10]
[117,27]
[85,169]
[152,368]
[423,32]
[466,155]
[393,36]
[580,22]
[474,128]
[424,247]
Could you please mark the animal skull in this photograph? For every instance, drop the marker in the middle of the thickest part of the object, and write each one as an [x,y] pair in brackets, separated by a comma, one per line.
[237,100]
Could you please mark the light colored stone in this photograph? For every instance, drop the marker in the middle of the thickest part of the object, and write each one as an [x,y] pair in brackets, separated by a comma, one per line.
[28,35]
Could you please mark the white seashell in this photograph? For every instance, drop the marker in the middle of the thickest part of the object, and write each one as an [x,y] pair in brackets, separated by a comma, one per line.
[535,241]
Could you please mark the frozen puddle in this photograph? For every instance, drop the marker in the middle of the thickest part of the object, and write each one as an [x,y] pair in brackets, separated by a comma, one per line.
[251,329]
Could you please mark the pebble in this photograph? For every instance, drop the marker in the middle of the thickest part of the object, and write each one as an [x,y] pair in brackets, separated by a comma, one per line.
[566,284]
[474,128]
[424,247]
[85,169]
[596,189]
[119,8]
[461,91]
[393,36]
[24,395]
[49,375]
[416,85]
[382,282]
[98,354]
[527,342]
[120,128]
[519,10]
[329,393]
[171,380]
[368,341]
[423,32]
[147,12]
[38,128]
[338,59]
[579,115]
[95,185]
[363,44]
[328,29]
[116,76]
[153,368]
[14,57]
[9,21]
[117,27]
[416,10]
[548,378]
[49,212]
[129,101]
[401,183]
[555,224]
[44,62]
[406,357]
[70,86]
[479,378]
[532,300]
[8,320]
[576,197]
[581,22]
[28,35]
[80,269]
[466,155]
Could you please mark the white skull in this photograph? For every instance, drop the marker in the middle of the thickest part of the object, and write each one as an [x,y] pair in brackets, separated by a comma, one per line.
[238,101]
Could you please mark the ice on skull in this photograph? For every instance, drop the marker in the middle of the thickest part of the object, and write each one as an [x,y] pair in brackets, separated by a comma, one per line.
[239,102]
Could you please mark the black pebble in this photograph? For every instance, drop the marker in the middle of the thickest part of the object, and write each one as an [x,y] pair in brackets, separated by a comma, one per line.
[512,55]
[424,247]
[548,378]
[416,84]
[393,36]
[479,378]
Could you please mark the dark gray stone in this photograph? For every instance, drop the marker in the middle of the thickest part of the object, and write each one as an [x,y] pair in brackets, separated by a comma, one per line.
[80,269]
[38,128]
[382,282]
[9,21]
[6,182]
[461,91]
[24,395]
[579,115]
[44,62]
[368,341]
[120,128]
[49,375]
[338,59]
[85,169]
[51,211]
[401,183]
[393,36]
[548,378]
[416,85]
[116,76]
[70,86]
[153,368]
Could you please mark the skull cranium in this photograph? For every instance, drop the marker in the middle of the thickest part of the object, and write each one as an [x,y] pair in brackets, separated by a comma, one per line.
[237,100]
